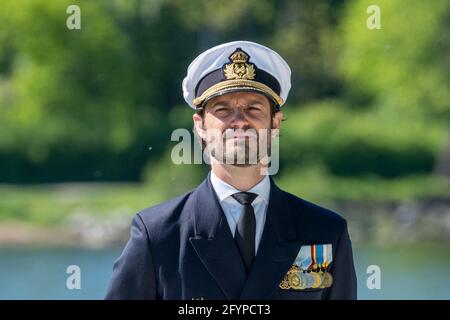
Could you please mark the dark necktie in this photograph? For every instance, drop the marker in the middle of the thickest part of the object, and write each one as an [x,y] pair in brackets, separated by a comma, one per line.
[246,228]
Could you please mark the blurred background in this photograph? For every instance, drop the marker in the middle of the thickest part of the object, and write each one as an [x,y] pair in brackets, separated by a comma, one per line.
[86,117]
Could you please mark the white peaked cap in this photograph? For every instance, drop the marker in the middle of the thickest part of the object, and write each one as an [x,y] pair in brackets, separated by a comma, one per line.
[237,66]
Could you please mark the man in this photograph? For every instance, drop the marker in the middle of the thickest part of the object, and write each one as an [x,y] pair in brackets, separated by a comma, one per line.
[237,235]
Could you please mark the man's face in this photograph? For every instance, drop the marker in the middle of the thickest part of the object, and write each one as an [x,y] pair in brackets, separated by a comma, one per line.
[237,127]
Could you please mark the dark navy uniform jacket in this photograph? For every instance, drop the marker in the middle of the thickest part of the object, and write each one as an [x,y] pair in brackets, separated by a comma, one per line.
[184,249]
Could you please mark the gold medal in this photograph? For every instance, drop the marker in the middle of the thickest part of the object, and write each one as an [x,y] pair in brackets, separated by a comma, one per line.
[317,280]
[309,269]
[321,272]
[322,283]
[292,279]
[327,280]
[295,281]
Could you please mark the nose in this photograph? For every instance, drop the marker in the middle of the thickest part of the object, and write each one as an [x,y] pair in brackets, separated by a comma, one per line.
[239,120]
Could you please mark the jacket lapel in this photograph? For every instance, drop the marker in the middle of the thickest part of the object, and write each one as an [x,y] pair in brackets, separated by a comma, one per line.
[277,251]
[214,243]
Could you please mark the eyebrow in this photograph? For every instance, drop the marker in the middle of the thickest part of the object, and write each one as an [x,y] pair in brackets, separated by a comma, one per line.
[255,102]
[227,104]
[223,103]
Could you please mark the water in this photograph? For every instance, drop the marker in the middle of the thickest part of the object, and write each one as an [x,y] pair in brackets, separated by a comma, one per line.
[406,272]
[26,273]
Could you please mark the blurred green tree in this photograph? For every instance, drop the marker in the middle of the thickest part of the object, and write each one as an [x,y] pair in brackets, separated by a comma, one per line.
[392,116]
[88,104]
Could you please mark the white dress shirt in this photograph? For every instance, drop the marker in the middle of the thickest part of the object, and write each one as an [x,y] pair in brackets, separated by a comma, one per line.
[234,209]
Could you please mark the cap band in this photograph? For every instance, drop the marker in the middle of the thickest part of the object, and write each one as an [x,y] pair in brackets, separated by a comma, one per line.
[243,84]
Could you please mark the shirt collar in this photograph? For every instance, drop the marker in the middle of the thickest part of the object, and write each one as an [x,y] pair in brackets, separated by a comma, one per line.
[225,190]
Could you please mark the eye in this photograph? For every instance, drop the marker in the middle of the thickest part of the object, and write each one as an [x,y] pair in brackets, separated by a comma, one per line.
[253,109]
[222,111]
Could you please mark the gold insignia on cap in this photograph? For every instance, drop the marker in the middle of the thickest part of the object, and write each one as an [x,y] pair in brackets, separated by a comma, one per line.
[239,68]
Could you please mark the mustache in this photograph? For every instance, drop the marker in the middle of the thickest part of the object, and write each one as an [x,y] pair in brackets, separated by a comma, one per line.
[231,133]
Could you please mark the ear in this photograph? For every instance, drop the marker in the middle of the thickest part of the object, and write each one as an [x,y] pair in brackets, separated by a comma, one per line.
[277,118]
[198,125]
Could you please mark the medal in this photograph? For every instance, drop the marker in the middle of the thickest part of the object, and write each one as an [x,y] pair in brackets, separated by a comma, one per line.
[309,280]
[292,279]
[322,283]
[303,276]
[310,269]
[317,280]
[295,281]
[320,250]
[327,280]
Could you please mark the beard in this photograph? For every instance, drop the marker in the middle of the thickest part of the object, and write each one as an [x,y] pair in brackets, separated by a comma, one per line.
[241,148]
